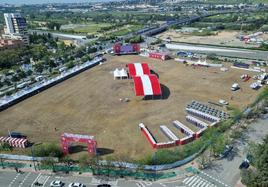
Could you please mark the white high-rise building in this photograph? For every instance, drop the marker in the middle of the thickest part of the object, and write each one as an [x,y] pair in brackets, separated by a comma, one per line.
[16,27]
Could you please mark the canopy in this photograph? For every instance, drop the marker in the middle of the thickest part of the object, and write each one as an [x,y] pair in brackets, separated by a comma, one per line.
[138,69]
[120,73]
[116,73]
[146,85]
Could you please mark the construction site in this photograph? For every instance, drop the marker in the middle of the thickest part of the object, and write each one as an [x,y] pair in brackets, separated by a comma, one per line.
[221,38]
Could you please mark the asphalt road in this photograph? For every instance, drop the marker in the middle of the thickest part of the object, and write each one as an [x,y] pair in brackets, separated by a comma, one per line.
[220,51]
[27,179]
[9,178]
[228,169]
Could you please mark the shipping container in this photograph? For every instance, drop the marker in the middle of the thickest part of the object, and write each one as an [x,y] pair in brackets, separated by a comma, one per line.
[126,49]
[162,56]
[241,65]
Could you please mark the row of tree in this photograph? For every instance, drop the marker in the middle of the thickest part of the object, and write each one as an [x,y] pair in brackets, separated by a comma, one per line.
[257,176]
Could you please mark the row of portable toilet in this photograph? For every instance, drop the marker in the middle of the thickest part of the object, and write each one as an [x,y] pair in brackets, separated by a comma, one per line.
[203,115]
[200,124]
[190,134]
[174,140]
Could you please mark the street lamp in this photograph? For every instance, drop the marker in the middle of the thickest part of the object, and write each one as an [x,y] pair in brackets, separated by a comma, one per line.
[33,157]
[2,163]
[155,162]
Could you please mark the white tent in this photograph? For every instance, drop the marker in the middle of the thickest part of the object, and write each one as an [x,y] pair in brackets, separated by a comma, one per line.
[116,73]
[123,73]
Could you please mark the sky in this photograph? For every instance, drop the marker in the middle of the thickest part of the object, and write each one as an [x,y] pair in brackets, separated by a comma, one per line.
[45,1]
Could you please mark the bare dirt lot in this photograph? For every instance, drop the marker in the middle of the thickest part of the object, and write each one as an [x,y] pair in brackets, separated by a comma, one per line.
[89,103]
[224,38]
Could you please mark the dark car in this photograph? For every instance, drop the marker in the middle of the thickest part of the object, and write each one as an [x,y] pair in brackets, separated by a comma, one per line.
[16,135]
[104,185]
[244,165]
[226,151]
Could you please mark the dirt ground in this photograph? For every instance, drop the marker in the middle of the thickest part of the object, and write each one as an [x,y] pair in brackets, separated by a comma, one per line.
[89,104]
[225,38]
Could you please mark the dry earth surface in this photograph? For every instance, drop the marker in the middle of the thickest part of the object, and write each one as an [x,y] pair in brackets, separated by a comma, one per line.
[89,103]
[224,38]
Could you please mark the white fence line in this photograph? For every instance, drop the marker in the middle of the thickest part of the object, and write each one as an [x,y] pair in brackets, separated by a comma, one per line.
[6,101]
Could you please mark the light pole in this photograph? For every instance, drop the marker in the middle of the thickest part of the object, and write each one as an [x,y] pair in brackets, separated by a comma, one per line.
[154,162]
[2,163]
[33,157]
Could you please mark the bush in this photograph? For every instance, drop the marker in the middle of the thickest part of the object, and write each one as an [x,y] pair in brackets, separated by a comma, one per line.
[5,147]
[135,39]
[70,64]
[47,150]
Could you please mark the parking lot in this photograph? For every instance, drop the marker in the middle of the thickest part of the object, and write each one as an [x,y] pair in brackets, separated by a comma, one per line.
[27,179]
[228,168]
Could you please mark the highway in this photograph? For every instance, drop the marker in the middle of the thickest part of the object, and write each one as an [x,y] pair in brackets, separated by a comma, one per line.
[219,51]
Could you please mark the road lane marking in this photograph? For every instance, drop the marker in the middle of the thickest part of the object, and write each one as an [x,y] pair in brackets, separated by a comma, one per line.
[35,179]
[25,178]
[46,180]
[15,178]
[139,184]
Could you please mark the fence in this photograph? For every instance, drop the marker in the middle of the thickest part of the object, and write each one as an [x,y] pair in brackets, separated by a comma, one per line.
[144,172]
[26,158]
[112,172]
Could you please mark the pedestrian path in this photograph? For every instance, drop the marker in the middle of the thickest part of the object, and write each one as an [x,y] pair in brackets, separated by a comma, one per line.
[101,181]
[197,181]
[143,183]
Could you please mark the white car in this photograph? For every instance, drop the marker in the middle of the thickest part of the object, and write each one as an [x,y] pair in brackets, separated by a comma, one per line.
[76,184]
[56,184]
[223,102]
[235,87]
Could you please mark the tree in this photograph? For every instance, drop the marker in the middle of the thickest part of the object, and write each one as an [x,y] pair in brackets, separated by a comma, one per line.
[48,150]
[204,161]
[53,25]
[217,145]
[70,64]
[91,161]
[39,67]
[49,162]
[257,176]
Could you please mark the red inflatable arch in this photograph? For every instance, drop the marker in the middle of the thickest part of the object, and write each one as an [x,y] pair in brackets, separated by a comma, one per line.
[66,138]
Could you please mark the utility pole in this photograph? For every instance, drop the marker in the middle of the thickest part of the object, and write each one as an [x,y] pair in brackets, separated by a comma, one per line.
[33,158]
[2,163]
[155,162]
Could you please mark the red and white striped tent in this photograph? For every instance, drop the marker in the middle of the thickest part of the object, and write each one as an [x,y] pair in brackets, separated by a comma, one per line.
[15,142]
[147,85]
[138,69]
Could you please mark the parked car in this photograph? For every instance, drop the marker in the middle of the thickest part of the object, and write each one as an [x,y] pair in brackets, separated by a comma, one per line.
[227,150]
[223,102]
[76,184]
[244,164]
[16,135]
[56,184]
[235,87]
[38,184]
[104,185]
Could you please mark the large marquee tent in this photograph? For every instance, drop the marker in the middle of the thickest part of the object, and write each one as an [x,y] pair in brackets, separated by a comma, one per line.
[138,69]
[147,85]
